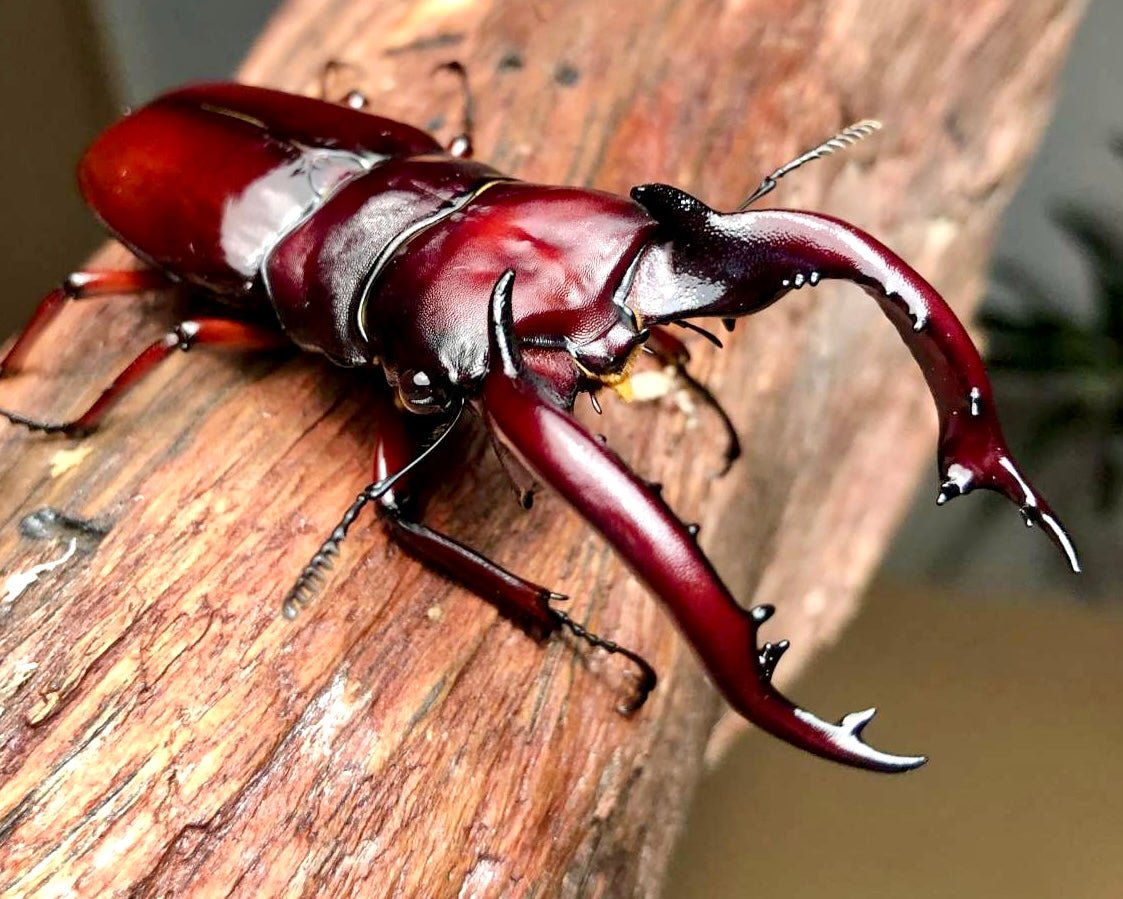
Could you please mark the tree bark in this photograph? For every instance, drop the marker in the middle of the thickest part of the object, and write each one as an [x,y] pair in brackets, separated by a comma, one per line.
[165,732]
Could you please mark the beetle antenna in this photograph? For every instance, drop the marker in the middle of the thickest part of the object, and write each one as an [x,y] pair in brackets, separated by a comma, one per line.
[312,577]
[847,137]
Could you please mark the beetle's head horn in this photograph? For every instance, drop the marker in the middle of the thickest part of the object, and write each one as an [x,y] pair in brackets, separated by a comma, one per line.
[713,263]
[679,213]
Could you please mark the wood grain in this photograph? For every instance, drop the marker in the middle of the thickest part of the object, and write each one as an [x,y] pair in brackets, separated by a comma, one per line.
[165,732]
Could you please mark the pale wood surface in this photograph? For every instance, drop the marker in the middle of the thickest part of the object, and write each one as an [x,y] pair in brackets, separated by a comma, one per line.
[164,731]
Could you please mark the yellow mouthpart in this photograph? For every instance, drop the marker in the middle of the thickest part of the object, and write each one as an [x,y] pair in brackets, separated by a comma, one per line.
[619,380]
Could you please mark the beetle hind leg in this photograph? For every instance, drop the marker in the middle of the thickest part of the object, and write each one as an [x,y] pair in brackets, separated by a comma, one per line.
[202,331]
[462,145]
[77,286]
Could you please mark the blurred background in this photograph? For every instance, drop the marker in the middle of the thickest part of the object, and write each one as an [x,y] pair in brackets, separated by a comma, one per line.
[975,637]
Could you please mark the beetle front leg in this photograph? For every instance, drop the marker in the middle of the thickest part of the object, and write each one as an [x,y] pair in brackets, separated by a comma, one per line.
[672,352]
[661,551]
[525,603]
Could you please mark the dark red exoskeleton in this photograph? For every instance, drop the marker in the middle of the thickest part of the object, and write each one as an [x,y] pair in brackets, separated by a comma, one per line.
[363,239]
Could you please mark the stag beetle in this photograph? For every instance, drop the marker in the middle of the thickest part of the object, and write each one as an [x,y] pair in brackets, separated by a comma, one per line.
[321,225]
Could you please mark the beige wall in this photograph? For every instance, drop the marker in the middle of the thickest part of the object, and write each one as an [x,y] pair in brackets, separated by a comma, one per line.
[54,98]
[1017,702]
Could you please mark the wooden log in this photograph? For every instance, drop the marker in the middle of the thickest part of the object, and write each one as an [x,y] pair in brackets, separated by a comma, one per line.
[165,732]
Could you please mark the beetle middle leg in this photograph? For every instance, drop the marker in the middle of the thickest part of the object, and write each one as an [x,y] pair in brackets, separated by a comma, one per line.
[462,145]
[203,331]
[78,286]
[525,603]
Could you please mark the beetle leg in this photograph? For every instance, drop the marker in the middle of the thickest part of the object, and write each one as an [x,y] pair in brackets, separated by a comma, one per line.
[355,99]
[78,286]
[647,679]
[524,496]
[671,351]
[313,574]
[521,601]
[212,331]
[462,145]
[525,603]
[660,549]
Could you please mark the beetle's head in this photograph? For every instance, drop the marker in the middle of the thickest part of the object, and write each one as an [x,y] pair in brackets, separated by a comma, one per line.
[702,262]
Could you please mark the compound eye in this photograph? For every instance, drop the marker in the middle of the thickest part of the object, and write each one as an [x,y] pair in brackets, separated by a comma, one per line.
[419,394]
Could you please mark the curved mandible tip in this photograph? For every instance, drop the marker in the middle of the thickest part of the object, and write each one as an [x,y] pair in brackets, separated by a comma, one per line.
[838,742]
[846,737]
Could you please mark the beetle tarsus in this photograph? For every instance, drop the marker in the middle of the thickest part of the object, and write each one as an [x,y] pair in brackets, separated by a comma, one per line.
[646,680]
[672,352]
[67,429]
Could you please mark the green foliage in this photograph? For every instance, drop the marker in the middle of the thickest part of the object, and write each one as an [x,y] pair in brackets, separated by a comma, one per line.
[1080,363]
